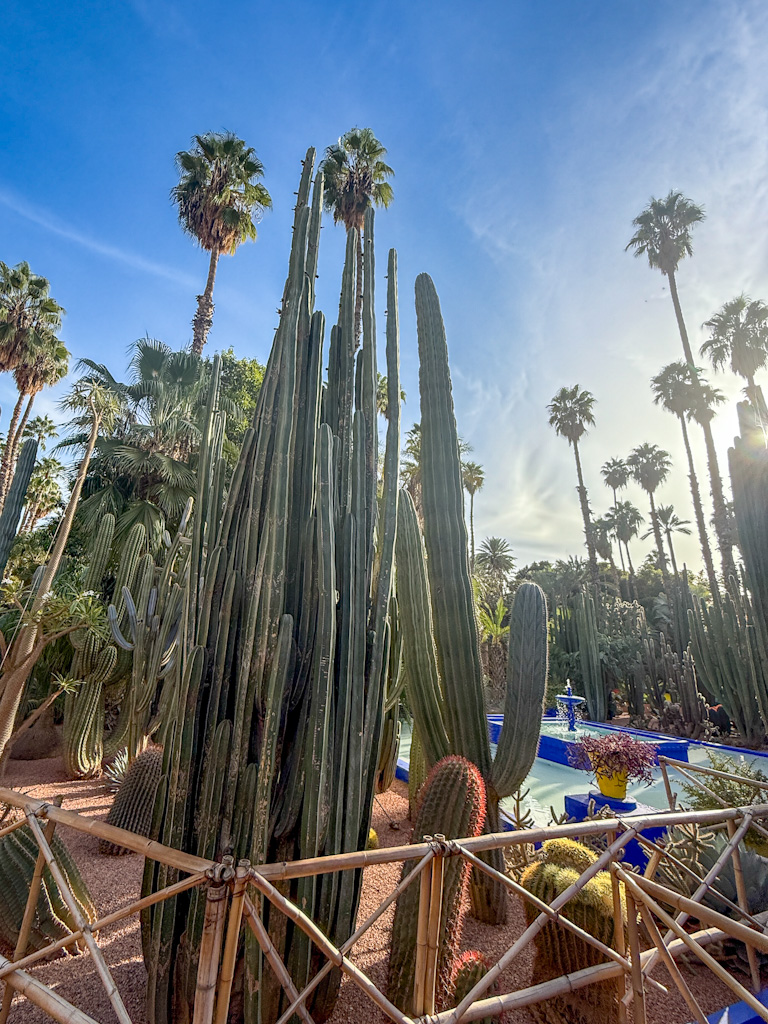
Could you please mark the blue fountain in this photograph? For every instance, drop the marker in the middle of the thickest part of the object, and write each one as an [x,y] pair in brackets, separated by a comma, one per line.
[571,702]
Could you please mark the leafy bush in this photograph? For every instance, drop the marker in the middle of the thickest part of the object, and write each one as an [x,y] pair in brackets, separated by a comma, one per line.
[615,753]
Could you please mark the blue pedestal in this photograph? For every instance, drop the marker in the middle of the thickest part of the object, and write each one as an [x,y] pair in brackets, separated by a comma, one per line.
[577,806]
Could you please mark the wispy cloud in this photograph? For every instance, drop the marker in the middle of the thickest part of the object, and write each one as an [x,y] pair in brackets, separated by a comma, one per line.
[56,226]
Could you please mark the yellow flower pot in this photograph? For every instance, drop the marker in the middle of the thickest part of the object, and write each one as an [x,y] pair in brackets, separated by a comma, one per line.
[613,786]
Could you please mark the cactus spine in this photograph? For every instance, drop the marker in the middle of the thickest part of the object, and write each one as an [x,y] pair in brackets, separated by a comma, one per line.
[452,804]
[278,694]
[133,804]
[470,967]
[559,951]
[14,502]
[445,678]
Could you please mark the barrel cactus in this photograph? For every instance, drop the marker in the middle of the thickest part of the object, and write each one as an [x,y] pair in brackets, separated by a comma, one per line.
[469,968]
[135,799]
[561,952]
[53,919]
[452,804]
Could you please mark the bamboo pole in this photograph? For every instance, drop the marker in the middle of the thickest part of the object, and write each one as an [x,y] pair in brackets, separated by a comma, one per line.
[273,957]
[704,770]
[741,894]
[422,925]
[718,799]
[674,970]
[327,948]
[726,924]
[725,976]
[104,922]
[619,938]
[560,919]
[495,1005]
[490,977]
[12,827]
[433,928]
[671,797]
[29,914]
[48,1000]
[228,961]
[185,862]
[662,854]
[210,943]
[637,966]
[710,876]
[653,861]
[98,958]
[400,888]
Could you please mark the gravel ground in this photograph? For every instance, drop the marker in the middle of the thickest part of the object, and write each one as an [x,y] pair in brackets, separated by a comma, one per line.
[115,881]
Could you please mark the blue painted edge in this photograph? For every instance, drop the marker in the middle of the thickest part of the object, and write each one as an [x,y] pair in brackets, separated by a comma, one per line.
[738,1013]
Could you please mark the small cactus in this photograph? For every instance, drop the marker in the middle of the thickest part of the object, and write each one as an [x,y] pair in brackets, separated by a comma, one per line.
[452,804]
[53,920]
[467,971]
[132,806]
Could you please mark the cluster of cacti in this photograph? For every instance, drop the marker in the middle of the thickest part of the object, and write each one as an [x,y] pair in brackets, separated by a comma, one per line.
[468,969]
[53,919]
[732,660]
[278,697]
[14,500]
[452,803]
[135,799]
[585,621]
[390,735]
[97,662]
[437,614]
[559,951]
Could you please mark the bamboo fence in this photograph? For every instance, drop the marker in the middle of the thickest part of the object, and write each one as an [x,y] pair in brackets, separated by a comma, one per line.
[235,894]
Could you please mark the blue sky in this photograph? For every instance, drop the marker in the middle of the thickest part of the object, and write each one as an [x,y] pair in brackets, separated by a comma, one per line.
[524,135]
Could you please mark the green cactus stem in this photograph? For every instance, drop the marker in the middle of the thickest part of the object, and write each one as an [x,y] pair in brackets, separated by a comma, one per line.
[469,968]
[135,799]
[14,501]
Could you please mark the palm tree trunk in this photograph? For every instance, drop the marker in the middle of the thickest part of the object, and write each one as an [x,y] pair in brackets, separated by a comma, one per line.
[721,517]
[472,529]
[10,449]
[680,321]
[672,552]
[359,289]
[585,514]
[706,551]
[201,324]
[669,584]
[615,504]
[14,679]
[632,587]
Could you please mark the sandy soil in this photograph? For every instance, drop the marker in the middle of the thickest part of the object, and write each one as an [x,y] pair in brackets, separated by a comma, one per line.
[116,881]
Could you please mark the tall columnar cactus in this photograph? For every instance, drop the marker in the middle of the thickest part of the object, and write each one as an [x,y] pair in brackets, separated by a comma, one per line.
[14,502]
[452,804]
[53,919]
[561,952]
[278,694]
[731,659]
[440,637]
[96,662]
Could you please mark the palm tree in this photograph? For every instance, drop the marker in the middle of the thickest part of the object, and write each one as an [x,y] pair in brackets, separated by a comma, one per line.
[28,314]
[570,413]
[355,178]
[495,559]
[42,429]
[602,530]
[624,521]
[220,199]
[739,336]
[382,400]
[616,476]
[678,392]
[670,523]
[663,234]
[473,478]
[650,466]
[43,493]
[141,470]
[493,635]
[44,364]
